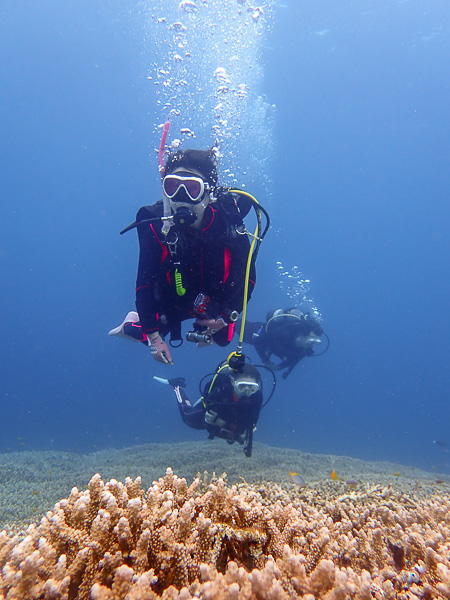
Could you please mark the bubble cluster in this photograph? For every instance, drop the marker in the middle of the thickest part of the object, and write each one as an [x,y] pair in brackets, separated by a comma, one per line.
[297,288]
[207,72]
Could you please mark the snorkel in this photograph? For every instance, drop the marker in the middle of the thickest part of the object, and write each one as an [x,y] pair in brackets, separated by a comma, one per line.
[167,220]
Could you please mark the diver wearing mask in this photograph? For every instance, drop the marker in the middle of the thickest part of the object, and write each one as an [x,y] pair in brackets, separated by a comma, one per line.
[289,334]
[229,405]
[192,259]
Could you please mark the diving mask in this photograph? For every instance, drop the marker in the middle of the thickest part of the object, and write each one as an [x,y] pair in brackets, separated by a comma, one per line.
[194,187]
[245,388]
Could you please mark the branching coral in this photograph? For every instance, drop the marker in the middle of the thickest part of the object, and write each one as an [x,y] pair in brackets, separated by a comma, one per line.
[176,542]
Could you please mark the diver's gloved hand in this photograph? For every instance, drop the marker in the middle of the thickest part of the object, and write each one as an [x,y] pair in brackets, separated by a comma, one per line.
[159,349]
[209,326]
[212,419]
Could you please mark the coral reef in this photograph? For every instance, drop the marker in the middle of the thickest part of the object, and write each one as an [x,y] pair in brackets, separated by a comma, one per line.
[176,541]
[33,481]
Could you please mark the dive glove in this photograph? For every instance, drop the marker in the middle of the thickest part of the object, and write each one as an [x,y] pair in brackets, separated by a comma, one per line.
[159,349]
[209,327]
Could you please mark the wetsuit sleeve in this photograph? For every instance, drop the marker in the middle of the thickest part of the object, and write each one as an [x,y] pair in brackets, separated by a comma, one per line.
[255,334]
[151,257]
[262,346]
[252,328]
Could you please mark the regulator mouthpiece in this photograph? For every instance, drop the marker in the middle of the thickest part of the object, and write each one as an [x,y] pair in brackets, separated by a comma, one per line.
[184,217]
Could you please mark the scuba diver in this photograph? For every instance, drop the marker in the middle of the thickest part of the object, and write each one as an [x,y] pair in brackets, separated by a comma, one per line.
[195,257]
[229,405]
[288,334]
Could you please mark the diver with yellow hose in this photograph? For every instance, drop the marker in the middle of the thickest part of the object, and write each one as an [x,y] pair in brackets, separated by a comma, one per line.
[196,260]
[229,405]
[232,398]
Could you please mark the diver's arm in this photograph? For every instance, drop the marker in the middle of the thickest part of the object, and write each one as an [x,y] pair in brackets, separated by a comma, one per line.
[260,342]
[252,330]
[150,259]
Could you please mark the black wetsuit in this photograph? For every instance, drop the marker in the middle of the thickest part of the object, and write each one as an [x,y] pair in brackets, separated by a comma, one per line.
[279,340]
[240,414]
[174,270]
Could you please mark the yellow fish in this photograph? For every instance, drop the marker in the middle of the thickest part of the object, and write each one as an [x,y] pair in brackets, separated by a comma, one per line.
[396,474]
[333,475]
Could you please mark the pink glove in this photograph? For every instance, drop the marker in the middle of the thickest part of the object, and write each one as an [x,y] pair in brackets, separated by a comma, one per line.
[159,349]
[212,326]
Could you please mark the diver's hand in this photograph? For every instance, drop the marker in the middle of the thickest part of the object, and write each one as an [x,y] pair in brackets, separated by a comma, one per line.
[212,418]
[212,325]
[159,349]
[208,327]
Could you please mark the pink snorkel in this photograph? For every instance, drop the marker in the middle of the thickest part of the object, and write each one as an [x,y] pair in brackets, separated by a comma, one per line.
[162,145]
[167,221]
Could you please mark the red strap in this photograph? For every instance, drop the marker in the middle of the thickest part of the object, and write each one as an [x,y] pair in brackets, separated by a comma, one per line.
[226,264]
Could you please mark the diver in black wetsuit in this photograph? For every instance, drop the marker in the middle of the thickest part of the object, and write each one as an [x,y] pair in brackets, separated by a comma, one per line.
[289,334]
[229,406]
[193,257]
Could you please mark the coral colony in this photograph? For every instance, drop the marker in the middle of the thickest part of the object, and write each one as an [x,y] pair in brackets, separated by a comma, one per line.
[212,541]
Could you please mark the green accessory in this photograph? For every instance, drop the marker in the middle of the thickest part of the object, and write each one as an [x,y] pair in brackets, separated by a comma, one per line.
[179,283]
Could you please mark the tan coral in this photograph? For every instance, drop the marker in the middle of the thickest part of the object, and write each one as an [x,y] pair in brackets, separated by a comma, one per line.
[113,541]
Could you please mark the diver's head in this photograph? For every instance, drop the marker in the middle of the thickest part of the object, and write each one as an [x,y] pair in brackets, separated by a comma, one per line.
[307,342]
[189,184]
[308,334]
[246,383]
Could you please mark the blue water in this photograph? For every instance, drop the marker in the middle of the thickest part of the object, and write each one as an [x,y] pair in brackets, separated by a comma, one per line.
[356,170]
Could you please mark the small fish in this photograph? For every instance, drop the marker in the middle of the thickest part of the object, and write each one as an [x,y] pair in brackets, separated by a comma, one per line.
[396,474]
[439,481]
[333,475]
[351,482]
[297,479]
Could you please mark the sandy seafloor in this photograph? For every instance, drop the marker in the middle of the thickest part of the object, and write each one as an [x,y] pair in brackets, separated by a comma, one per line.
[31,482]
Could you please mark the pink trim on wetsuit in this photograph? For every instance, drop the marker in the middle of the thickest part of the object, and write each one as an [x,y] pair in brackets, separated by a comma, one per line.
[226,264]
[212,218]
[230,331]
[135,331]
